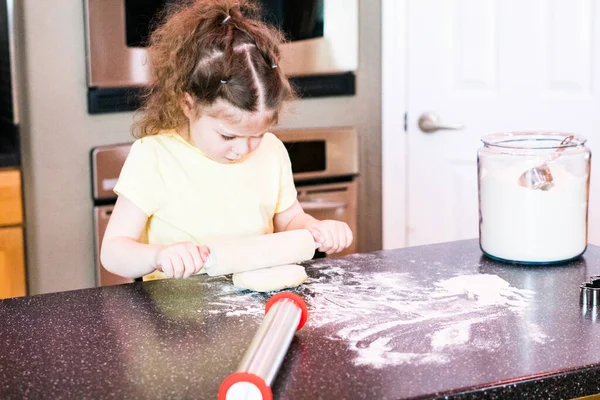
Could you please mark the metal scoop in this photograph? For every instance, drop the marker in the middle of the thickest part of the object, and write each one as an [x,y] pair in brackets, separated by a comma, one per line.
[540,177]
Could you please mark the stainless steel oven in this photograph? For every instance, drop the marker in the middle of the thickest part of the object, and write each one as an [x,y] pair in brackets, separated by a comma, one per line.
[331,201]
[321,56]
[324,165]
[325,168]
[107,162]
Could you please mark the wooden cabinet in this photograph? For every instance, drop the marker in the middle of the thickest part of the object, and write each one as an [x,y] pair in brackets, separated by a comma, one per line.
[12,252]
[11,211]
[12,262]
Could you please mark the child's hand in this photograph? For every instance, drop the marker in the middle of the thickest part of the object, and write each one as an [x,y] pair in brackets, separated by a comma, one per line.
[334,236]
[181,260]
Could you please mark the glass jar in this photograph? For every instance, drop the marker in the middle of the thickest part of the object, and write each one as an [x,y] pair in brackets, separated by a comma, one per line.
[527,215]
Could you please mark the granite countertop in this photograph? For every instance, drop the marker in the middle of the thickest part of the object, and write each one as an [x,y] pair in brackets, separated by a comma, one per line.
[436,321]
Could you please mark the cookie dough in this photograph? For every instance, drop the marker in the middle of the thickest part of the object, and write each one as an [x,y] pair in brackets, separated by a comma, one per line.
[271,279]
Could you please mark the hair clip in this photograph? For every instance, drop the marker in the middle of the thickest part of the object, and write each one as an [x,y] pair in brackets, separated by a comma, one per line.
[223,81]
[226,19]
[273,66]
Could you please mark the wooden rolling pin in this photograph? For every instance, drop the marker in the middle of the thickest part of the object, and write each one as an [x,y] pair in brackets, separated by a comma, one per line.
[250,253]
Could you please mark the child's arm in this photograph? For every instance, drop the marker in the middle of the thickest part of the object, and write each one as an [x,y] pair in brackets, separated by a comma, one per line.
[334,236]
[124,255]
[293,218]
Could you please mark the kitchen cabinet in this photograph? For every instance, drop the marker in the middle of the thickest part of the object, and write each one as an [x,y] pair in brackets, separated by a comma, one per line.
[12,259]
[11,209]
[12,263]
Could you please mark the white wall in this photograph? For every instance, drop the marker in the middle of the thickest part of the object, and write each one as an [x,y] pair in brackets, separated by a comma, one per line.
[58,133]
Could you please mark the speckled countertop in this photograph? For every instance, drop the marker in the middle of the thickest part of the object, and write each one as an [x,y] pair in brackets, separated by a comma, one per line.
[423,322]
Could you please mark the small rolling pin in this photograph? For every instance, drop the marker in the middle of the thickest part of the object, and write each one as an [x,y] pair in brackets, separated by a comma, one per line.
[250,253]
[285,313]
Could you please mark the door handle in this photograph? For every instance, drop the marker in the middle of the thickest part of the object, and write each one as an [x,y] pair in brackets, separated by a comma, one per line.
[430,123]
[323,205]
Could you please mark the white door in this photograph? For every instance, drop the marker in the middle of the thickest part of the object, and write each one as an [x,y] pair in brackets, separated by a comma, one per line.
[489,65]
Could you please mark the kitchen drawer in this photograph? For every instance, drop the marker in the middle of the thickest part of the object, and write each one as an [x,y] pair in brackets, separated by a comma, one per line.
[12,263]
[11,211]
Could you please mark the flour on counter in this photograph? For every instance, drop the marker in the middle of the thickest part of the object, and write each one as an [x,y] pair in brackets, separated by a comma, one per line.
[536,334]
[235,302]
[454,335]
[487,290]
[380,353]
[384,316]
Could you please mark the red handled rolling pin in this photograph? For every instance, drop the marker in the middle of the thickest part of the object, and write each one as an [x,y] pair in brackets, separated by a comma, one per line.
[285,313]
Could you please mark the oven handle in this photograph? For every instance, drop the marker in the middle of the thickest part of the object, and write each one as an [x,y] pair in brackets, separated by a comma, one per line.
[323,205]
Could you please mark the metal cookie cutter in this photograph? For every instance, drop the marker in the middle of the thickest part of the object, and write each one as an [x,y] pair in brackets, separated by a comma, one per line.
[590,293]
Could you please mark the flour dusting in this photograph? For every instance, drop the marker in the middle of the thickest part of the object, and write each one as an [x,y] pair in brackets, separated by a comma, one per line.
[236,302]
[487,290]
[383,316]
[536,334]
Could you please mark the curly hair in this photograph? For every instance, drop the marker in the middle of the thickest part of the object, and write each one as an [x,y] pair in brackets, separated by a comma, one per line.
[213,50]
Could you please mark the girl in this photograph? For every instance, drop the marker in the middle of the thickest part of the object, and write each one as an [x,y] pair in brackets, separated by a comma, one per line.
[205,166]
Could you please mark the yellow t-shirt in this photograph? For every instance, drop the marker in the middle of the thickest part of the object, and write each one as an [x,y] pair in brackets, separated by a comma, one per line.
[189,197]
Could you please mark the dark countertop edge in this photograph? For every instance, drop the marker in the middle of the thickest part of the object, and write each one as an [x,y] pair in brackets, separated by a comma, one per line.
[572,382]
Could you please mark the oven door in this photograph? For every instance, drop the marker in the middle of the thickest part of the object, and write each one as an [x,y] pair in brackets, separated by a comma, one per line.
[332,201]
[321,153]
[103,277]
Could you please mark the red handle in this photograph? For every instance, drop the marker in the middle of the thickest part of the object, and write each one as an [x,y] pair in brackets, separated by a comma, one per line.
[296,299]
[238,377]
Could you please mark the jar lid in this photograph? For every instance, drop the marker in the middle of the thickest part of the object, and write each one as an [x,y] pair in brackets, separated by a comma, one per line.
[533,140]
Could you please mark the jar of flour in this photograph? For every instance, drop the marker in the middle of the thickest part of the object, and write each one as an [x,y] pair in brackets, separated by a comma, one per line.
[533,196]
